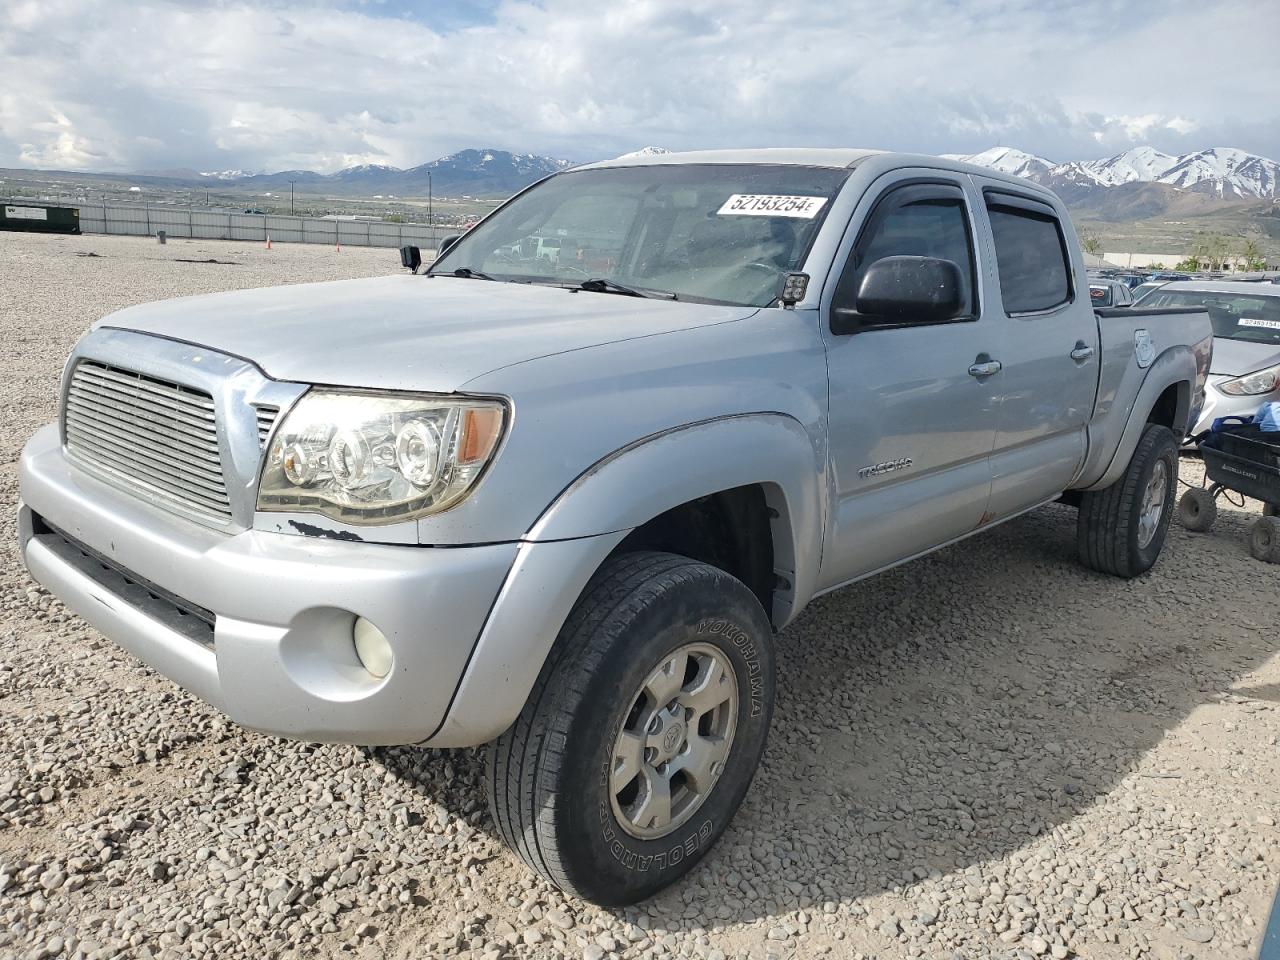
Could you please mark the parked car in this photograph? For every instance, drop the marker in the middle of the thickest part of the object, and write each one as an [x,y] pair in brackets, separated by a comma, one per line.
[1246,342]
[1110,293]
[1132,280]
[1142,289]
[566,516]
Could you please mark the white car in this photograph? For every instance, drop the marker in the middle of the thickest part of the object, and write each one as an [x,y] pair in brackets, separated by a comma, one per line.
[1245,372]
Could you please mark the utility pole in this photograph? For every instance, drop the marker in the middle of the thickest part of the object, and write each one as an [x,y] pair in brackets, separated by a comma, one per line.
[291,183]
[431,220]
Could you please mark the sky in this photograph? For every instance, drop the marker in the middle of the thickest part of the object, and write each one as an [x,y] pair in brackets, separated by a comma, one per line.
[145,85]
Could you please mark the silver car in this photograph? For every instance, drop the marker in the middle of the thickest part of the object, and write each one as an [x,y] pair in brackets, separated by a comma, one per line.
[1246,342]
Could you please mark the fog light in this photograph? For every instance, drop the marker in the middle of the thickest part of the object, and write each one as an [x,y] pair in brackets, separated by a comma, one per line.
[372,648]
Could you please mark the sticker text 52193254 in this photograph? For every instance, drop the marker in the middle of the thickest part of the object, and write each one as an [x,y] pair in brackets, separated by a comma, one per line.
[771,205]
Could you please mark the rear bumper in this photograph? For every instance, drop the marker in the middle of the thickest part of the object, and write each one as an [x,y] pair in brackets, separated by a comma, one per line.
[279,657]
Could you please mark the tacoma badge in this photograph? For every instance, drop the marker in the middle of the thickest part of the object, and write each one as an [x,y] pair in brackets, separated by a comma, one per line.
[876,469]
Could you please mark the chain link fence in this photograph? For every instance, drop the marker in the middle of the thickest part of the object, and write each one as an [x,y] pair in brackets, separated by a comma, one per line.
[141,220]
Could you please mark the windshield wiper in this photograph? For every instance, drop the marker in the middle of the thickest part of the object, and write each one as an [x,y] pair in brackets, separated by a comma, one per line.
[602,285]
[468,274]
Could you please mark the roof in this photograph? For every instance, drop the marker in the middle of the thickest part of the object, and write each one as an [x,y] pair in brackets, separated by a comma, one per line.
[1225,286]
[834,157]
[800,156]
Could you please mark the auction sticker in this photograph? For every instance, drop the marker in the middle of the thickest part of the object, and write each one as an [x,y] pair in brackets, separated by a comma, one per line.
[1254,322]
[26,213]
[771,205]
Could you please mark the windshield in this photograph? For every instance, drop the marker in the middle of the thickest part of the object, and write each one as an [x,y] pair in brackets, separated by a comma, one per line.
[1236,316]
[719,233]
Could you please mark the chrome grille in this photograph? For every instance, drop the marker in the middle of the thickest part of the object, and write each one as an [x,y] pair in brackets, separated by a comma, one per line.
[148,435]
[266,420]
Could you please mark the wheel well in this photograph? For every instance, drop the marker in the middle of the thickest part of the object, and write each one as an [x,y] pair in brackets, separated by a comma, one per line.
[729,530]
[1169,407]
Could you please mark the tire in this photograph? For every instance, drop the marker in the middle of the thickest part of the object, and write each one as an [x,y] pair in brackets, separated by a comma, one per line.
[1110,535]
[1264,539]
[1198,509]
[552,777]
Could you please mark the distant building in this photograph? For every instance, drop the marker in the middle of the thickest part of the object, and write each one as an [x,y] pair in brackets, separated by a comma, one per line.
[1168,261]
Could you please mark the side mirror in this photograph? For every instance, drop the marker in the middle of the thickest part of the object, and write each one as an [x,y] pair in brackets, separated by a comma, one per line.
[411,258]
[447,244]
[904,290]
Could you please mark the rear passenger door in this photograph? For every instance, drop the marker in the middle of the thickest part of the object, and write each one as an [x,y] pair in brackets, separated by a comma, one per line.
[1048,352]
[911,413]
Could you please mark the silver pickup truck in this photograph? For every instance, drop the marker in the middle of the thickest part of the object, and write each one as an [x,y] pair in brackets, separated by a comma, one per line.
[565,505]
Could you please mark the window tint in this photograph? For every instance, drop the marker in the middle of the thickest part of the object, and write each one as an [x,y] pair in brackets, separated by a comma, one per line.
[1031,259]
[909,223]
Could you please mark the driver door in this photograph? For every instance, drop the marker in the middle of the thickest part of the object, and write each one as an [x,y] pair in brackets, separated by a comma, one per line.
[912,410]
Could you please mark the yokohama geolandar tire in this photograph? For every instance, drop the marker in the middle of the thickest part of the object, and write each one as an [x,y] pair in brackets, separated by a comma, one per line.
[1121,529]
[1198,509]
[642,733]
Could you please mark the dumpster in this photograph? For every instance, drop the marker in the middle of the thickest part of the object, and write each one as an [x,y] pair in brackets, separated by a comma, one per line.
[39,218]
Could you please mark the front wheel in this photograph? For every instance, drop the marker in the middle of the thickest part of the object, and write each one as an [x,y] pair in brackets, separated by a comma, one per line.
[643,731]
[1120,530]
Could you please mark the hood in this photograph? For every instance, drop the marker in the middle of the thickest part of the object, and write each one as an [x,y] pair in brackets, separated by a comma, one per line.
[1234,358]
[431,334]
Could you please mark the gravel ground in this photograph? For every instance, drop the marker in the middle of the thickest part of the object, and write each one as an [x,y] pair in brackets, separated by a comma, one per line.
[989,753]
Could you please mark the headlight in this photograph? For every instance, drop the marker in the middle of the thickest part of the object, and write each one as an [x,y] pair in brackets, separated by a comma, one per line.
[374,458]
[1260,381]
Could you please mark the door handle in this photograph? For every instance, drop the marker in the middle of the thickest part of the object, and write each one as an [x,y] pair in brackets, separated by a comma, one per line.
[1082,352]
[985,368]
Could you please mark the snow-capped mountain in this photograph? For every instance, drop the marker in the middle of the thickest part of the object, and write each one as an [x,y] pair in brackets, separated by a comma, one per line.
[481,172]
[644,152]
[1007,160]
[1227,172]
[224,174]
[1140,163]
[1224,172]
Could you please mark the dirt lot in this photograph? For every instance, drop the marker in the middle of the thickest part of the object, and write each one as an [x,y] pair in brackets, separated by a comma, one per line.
[988,753]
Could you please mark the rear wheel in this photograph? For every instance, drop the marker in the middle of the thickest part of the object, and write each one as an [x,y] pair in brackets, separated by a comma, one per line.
[1198,509]
[1264,539]
[1120,530]
[643,731]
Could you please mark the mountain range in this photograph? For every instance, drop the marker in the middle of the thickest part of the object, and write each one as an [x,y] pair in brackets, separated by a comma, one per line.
[1224,173]
[483,172]
[1140,183]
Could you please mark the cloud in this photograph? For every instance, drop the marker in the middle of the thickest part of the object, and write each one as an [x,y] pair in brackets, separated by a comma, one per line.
[283,84]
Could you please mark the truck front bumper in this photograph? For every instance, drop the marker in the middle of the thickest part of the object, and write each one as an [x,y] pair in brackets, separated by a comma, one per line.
[260,624]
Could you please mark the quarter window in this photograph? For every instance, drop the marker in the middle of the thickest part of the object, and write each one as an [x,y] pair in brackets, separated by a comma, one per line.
[1031,258]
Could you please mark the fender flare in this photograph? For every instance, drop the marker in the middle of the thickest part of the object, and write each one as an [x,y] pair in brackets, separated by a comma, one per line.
[593,514]
[638,482]
[1176,366]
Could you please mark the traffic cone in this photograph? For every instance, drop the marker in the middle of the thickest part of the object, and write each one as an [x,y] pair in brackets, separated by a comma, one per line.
[268,241]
